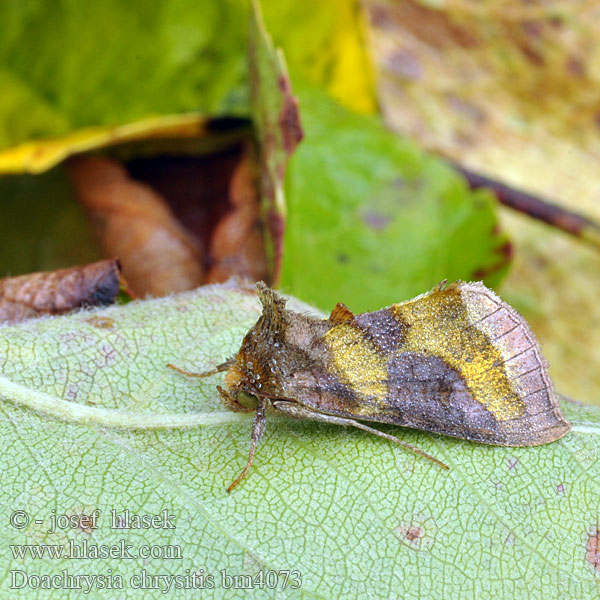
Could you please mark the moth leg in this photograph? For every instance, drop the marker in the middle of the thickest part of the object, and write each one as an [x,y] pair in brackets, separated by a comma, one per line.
[258,428]
[231,402]
[294,410]
[218,369]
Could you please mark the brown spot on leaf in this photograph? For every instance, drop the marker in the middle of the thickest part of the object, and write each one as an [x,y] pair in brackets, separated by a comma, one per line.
[412,535]
[430,25]
[576,66]
[593,549]
[466,109]
[533,55]
[506,252]
[404,63]
[289,122]
[289,116]
[58,292]
[532,28]
[378,14]
[375,220]
[87,524]
[556,21]
[101,322]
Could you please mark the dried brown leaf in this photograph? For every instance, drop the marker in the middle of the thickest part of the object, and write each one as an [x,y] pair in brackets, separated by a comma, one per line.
[237,245]
[134,222]
[58,292]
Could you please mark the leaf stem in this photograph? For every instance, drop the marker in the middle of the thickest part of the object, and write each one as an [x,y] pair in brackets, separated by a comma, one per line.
[106,417]
[536,207]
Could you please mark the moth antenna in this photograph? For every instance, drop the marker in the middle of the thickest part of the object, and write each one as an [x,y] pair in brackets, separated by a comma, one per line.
[394,439]
[291,408]
[218,369]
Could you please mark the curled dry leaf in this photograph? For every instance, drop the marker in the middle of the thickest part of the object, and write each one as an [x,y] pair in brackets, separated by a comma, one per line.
[57,292]
[133,222]
[216,197]
[237,246]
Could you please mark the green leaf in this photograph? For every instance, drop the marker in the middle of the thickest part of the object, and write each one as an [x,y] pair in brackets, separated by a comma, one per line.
[373,220]
[74,65]
[355,515]
[329,47]
[70,66]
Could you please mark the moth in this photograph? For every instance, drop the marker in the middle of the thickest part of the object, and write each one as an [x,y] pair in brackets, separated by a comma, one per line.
[456,361]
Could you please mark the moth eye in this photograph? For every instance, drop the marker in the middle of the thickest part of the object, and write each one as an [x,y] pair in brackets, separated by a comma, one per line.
[276,344]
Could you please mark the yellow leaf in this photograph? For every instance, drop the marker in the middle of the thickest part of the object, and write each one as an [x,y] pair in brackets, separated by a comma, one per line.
[39,155]
[327,45]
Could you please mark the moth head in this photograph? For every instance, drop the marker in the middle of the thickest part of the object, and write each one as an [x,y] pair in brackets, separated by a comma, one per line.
[273,304]
[255,369]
